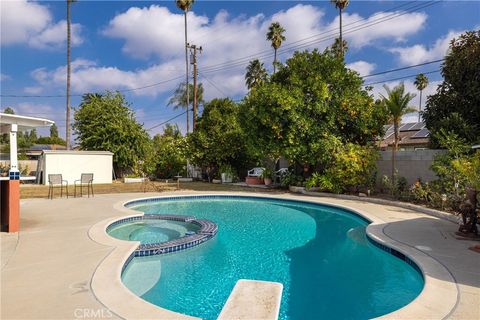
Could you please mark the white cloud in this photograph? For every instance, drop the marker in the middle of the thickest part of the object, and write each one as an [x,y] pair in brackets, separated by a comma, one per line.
[396,29]
[362,67]
[4,77]
[409,87]
[225,39]
[33,90]
[87,76]
[31,23]
[55,36]
[420,53]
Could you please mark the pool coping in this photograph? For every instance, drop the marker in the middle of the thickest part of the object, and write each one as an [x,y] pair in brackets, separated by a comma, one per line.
[110,290]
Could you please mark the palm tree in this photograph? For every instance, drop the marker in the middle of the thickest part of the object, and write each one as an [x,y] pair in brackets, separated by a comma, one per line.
[186,5]
[396,105]
[180,98]
[275,35]
[421,82]
[256,74]
[340,5]
[69,71]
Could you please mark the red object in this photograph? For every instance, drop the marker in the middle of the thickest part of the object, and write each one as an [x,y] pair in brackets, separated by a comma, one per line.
[10,206]
[254,180]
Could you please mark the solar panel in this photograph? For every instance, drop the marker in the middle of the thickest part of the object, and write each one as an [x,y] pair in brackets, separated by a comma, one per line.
[424,133]
[388,131]
[417,126]
[407,126]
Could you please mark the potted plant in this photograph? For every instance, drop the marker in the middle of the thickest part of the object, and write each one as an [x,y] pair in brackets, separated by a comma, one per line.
[267,176]
[226,173]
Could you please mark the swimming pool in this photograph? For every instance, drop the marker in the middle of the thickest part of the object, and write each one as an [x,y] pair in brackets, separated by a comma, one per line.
[321,255]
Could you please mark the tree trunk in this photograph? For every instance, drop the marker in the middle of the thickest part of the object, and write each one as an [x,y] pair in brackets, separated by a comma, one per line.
[420,105]
[341,39]
[394,151]
[67,121]
[186,72]
[274,59]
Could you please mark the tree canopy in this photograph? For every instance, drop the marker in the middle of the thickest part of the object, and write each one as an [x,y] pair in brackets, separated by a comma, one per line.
[311,100]
[455,106]
[219,138]
[105,122]
[169,152]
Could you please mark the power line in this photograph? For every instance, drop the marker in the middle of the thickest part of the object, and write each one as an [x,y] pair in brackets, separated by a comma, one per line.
[400,78]
[403,68]
[213,84]
[246,59]
[81,95]
[167,121]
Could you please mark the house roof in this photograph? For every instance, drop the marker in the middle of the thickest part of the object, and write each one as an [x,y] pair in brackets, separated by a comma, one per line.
[411,134]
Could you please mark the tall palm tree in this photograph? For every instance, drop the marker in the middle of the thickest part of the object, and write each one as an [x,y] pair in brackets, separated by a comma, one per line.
[186,5]
[275,35]
[396,105]
[340,5]
[256,74]
[421,82]
[180,98]
[69,72]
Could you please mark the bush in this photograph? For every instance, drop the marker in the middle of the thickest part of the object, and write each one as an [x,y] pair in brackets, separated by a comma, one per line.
[291,179]
[322,182]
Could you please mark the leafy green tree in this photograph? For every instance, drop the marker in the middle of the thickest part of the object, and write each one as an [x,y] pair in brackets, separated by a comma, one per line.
[185,6]
[456,104]
[8,110]
[169,152]
[219,138]
[396,105]
[50,140]
[106,122]
[340,5]
[339,48]
[421,82]
[311,101]
[276,37]
[256,74]
[53,131]
[32,137]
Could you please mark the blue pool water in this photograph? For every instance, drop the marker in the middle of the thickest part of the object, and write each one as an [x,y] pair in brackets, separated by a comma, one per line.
[320,254]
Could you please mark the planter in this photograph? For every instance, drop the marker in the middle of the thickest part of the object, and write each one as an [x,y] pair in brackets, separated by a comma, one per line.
[133,180]
[268,181]
[227,178]
[254,180]
[216,181]
[296,189]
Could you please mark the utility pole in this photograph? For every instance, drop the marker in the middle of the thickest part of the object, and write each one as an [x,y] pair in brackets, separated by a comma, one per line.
[193,60]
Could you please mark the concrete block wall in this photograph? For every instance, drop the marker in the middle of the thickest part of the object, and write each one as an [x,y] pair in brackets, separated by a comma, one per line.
[411,164]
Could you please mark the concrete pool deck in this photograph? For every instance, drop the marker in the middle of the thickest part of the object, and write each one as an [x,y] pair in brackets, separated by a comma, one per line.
[47,268]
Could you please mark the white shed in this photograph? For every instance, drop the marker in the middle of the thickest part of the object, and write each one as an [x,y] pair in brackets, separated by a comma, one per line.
[71,164]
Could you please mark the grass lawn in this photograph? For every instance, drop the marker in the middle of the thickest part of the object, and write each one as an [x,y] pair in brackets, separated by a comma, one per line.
[41,191]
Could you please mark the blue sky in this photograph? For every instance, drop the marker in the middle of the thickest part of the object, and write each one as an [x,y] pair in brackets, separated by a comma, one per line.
[124,45]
